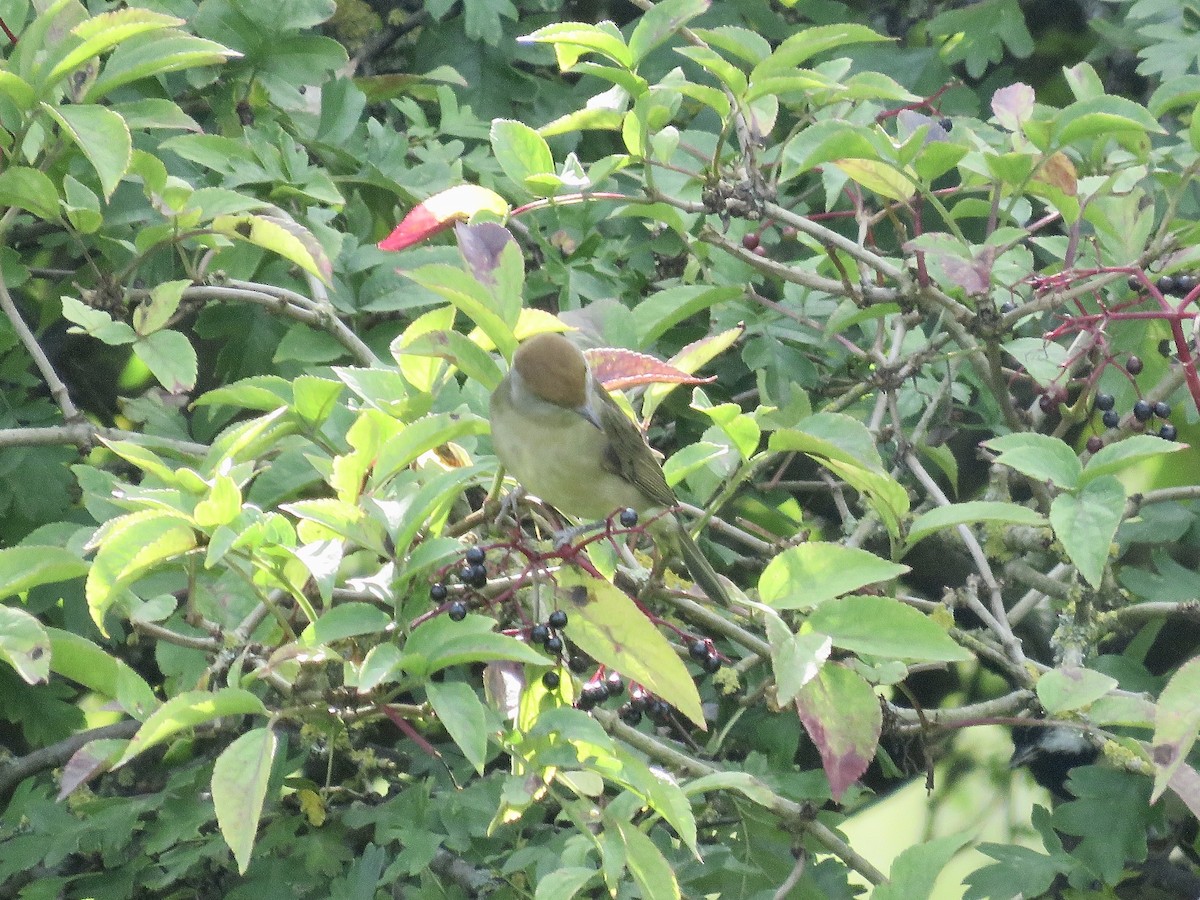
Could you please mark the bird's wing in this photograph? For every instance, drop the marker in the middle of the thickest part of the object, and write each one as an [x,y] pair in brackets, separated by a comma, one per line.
[628,455]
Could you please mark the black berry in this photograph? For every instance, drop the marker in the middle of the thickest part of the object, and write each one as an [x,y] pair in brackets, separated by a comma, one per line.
[1135,283]
[1008,307]
[585,703]
[457,611]
[551,680]
[475,555]
[1111,419]
[1166,285]
[1185,284]
[629,517]
[711,663]
[698,649]
[630,714]
[615,684]
[639,699]
[578,664]
[1047,403]
[1162,410]
[659,712]
[539,634]
[438,592]
[596,690]
[553,645]
[479,576]
[1133,365]
[947,124]
[466,573]
[558,619]
[1142,411]
[1094,444]
[1168,432]
[750,241]
[1105,402]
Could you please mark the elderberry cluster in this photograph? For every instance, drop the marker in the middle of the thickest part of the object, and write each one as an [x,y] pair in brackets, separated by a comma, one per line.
[1169,285]
[642,702]
[472,574]
[1143,411]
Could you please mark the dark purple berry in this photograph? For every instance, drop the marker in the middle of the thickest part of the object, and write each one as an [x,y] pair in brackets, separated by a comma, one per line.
[1168,432]
[698,649]
[947,124]
[558,619]
[1105,402]
[578,664]
[1111,419]
[465,574]
[1008,307]
[1133,365]
[629,517]
[1166,285]
[659,712]
[551,680]
[553,645]
[639,698]
[585,703]
[479,576]
[539,634]
[1094,444]
[438,592]
[1047,403]
[475,556]
[1142,411]
[596,690]
[457,611]
[630,714]
[1185,284]
[711,663]
[1162,410]
[615,684]
[750,241]
[1135,283]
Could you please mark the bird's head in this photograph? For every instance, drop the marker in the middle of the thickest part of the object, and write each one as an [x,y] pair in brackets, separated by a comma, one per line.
[554,370]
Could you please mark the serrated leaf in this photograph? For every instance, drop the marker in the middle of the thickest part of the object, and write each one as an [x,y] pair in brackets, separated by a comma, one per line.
[1176,724]
[24,567]
[1086,523]
[520,151]
[289,239]
[440,643]
[30,190]
[101,135]
[106,31]
[916,869]
[82,661]
[841,714]
[171,358]
[1039,456]
[654,876]
[1072,687]
[1126,452]
[808,575]
[156,310]
[608,626]
[343,621]
[239,787]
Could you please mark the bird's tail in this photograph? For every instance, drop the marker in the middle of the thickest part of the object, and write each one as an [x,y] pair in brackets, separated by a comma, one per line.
[701,570]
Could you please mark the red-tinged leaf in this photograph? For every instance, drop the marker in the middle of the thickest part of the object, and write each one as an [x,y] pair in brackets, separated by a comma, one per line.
[1176,724]
[481,246]
[1012,105]
[89,760]
[1185,782]
[841,714]
[436,213]
[618,369]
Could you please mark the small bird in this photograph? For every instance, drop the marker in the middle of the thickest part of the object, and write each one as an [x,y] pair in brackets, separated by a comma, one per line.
[563,437]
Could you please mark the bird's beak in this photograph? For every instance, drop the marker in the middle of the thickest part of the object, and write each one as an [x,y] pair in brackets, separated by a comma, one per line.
[588,411]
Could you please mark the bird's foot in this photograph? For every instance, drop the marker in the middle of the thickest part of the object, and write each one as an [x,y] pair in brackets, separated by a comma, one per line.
[567,536]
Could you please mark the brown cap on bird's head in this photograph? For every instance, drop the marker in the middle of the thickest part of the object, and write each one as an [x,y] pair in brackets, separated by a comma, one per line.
[553,369]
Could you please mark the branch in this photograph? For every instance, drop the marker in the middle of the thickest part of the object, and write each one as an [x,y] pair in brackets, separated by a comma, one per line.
[85,434]
[58,390]
[56,755]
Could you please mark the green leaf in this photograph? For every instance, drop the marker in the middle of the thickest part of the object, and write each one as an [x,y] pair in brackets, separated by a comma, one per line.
[130,546]
[239,787]
[343,621]
[916,868]
[520,151]
[1072,687]
[422,436]
[315,398]
[289,239]
[1043,360]
[24,567]
[796,659]
[24,644]
[654,876]
[105,31]
[572,39]
[168,51]
[30,190]
[1124,453]
[1086,523]
[101,135]
[661,21]
[441,643]
[1039,456]
[1111,815]
[464,717]
[381,664]
[170,357]
[882,626]
[262,392]
[805,44]
[1175,724]
[156,310]
[1103,116]
[468,295]
[608,626]
[970,513]
[187,710]
[18,90]
[564,883]
[80,660]
[807,575]
[97,323]
[841,714]
[663,310]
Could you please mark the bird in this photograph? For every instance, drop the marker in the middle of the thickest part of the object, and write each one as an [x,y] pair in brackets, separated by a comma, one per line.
[1050,752]
[559,433]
